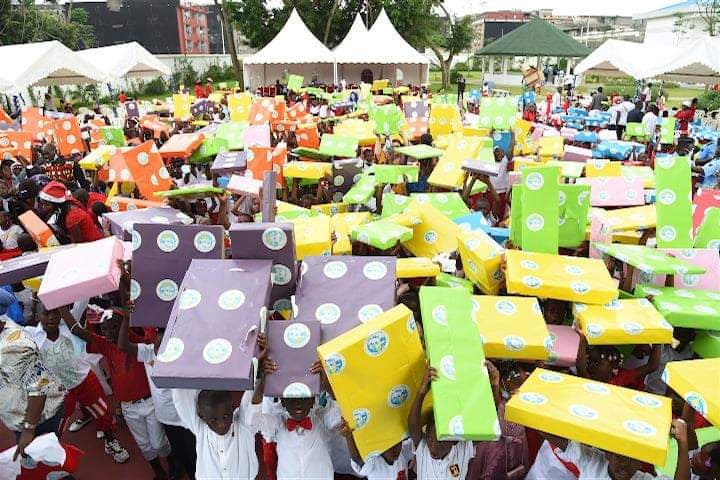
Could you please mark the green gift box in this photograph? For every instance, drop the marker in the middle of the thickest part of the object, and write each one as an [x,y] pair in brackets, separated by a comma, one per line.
[361,192]
[635,130]
[192,191]
[381,234]
[449,204]
[707,344]
[290,215]
[233,134]
[295,82]
[516,216]
[392,204]
[540,209]
[446,99]
[463,402]
[388,119]
[498,113]
[704,436]
[649,260]
[208,150]
[451,281]
[394,174]
[574,209]
[708,233]
[698,309]
[667,132]
[338,146]
[673,204]
[419,152]
[113,136]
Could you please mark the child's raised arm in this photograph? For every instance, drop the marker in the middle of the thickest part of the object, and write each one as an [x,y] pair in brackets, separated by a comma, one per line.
[414,421]
[581,360]
[75,328]
[124,342]
[653,362]
[346,432]
[266,367]
[679,431]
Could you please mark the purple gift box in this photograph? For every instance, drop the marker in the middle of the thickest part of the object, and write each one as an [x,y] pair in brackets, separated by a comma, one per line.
[293,346]
[121,224]
[415,109]
[483,168]
[341,292]
[269,196]
[345,174]
[28,266]
[211,337]
[161,256]
[269,241]
[131,109]
[226,163]
[209,129]
[202,107]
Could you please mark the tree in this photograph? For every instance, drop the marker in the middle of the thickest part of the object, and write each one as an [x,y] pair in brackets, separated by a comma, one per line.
[222,7]
[23,22]
[708,11]
[454,38]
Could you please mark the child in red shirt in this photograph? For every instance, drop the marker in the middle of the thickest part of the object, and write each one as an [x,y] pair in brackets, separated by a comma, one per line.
[602,363]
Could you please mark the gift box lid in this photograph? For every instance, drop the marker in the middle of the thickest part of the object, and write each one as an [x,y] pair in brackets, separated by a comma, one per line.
[293,347]
[419,152]
[707,344]
[684,308]
[381,234]
[623,322]
[449,204]
[121,223]
[565,343]
[698,382]
[228,162]
[632,218]
[416,267]
[648,260]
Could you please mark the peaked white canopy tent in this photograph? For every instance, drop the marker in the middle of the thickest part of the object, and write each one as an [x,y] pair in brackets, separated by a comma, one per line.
[44,64]
[124,61]
[293,50]
[699,62]
[618,58]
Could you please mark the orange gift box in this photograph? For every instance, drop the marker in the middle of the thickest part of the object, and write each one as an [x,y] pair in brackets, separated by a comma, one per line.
[121,204]
[36,124]
[148,169]
[15,144]
[181,145]
[307,136]
[266,110]
[68,137]
[38,230]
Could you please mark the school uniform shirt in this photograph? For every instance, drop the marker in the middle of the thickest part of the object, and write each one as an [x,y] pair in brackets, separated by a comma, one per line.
[162,397]
[501,183]
[376,468]
[649,121]
[453,467]
[60,357]
[551,462]
[227,457]
[127,376]
[9,237]
[302,454]
[593,465]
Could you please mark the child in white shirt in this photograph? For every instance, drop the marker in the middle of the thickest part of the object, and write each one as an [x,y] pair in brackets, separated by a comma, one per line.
[392,464]
[9,232]
[441,460]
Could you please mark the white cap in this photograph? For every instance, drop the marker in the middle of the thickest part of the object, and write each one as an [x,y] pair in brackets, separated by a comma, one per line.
[687,103]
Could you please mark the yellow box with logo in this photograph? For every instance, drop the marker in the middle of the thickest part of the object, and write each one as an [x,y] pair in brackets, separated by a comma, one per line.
[622,322]
[481,257]
[698,382]
[312,236]
[329,209]
[551,146]
[307,170]
[444,119]
[433,232]
[632,218]
[341,225]
[448,172]
[511,327]
[574,279]
[375,371]
[597,167]
[357,128]
[416,267]
[239,106]
[615,419]
[181,106]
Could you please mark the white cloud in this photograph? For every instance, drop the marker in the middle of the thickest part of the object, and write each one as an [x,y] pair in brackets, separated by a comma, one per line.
[560,7]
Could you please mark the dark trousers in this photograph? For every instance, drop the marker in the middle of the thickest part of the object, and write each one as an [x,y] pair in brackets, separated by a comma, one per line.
[620,131]
[51,425]
[182,442]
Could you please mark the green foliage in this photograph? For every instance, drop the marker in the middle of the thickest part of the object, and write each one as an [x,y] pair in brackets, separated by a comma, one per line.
[183,73]
[156,87]
[23,22]
[709,100]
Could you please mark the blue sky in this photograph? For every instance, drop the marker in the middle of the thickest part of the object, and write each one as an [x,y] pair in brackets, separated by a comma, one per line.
[562,7]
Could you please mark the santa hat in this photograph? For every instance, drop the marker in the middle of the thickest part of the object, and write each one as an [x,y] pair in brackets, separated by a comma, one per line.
[54,192]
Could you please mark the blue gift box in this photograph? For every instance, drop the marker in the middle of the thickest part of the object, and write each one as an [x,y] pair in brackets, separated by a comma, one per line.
[472,222]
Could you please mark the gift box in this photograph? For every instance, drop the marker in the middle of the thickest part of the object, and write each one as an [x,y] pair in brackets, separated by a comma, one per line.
[329,209]
[632,218]
[181,106]
[312,236]
[415,109]
[433,232]
[269,241]
[99,157]
[576,154]
[498,113]
[257,136]
[266,110]
[296,113]
[295,82]
[121,224]
[698,309]
[416,267]
[622,322]
[696,381]
[600,232]
[307,136]
[704,200]
[448,172]
[419,152]
[209,149]
[131,109]
[38,230]
[338,146]
[565,342]
[16,144]
[114,136]
[87,270]
[574,210]
[615,191]
[307,170]
[602,168]
[511,327]
[191,192]
[551,147]
[707,344]
[448,280]
[385,352]
[328,286]
[708,233]
[444,119]
[481,257]
[210,339]
[463,402]
[617,150]
[239,107]
[540,209]
[148,169]
[674,207]
[342,224]
[68,137]
[702,257]
[229,162]
[293,346]
[450,204]
[233,133]
[181,145]
[381,234]
[568,169]
[201,107]
[615,419]
[361,192]
[704,436]
[388,119]
[648,260]
[394,174]
[573,279]
[344,174]
[240,184]
[161,256]
[393,204]
[17,269]
[122,204]
[635,171]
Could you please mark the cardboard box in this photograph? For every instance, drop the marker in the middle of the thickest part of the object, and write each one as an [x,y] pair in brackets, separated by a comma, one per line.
[565,343]
[498,113]
[233,134]
[708,233]
[148,169]
[574,212]
[87,270]
[385,352]
[707,258]
[38,230]
[433,232]
[239,106]
[307,170]
[381,234]
[674,206]
[229,162]
[121,224]
[698,309]
[632,218]
[181,145]
[293,346]
[481,258]
[623,322]
[698,382]
[602,168]
[444,119]
[161,256]
[122,204]
[615,191]
[210,339]
[241,184]
[704,200]
[540,209]
[511,327]
[615,419]
[533,76]
[416,267]
[312,236]
[345,173]
[463,402]
[648,260]
[17,269]
[707,344]
[449,204]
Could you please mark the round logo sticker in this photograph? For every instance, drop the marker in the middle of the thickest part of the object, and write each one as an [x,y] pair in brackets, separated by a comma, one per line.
[411,325]
[166,290]
[599,388]
[580,288]
[632,328]
[335,269]
[134,289]
[136,240]
[297,390]
[231,299]
[535,222]
[143,158]
[533,398]
[439,315]
[274,238]
[361,416]
[562,198]
[327,313]
[583,411]
[704,309]
[505,307]
[573,270]
[638,427]
[614,305]
[167,241]
[280,274]
[684,293]
[551,377]
[296,335]
[217,351]
[374,270]
[668,233]
[189,298]
[531,281]
[430,237]
[376,343]
[368,312]
[456,427]
[335,363]
[534,181]
[697,402]
[646,401]
[529,264]
[447,367]
[204,242]
[666,196]
[173,349]
[397,396]
[594,330]
[513,343]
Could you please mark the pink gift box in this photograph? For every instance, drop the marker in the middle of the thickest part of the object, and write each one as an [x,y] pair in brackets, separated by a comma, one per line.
[600,232]
[703,257]
[615,191]
[566,342]
[576,154]
[607,135]
[240,184]
[257,136]
[88,270]
[704,199]
[514,178]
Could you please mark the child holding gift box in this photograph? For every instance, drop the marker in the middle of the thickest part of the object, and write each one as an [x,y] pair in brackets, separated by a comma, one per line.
[392,464]
[73,222]
[436,459]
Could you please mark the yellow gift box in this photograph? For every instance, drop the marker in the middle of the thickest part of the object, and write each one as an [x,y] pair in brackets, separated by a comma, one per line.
[341,224]
[448,172]
[520,162]
[511,327]
[602,168]
[615,419]
[623,322]
[444,119]
[309,170]
[522,130]
[698,382]
[98,157]
[380,84]
[416,267]
[33,283]
[386,354]
[287,207]
[356,128]
[312,236]
[330,209]
[481,257]
[574,279]
[239,106]
[181,106]
[639,171]
[433,232]
[632,218]
[628,237]
[475,132]
[551,146]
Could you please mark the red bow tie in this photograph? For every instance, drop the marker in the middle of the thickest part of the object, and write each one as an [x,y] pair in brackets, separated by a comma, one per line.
[305,424]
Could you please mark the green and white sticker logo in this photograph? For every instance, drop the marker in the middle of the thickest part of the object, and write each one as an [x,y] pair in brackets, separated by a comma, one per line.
[231,299]
[274,238]
[204,241]
[166,290]
[168,241]
[217,351]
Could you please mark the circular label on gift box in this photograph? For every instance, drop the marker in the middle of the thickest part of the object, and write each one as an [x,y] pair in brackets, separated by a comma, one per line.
[551,377]
[447,367]
[134,290]
[430,237]
[173,349]
[217,351]
[327,313]
[439,314]
[297,390]
[535,222]
[335,364]
[376,343]
[705,309]
[573,270]
[296,335]
[549,342]
[581,288]
[528,265]
[669,306]
[639,427]
[368,312]
[456,426]
[615,305]
[534,181]
[583,411]
[335,269]
[166,290]
[597,388]
[505,307]
[685,293]
[665,161]
[274,238]
[189,298]
[632,328]
[204,242]
[136,239]
[533,398]
[168,241]
[666,196]
[411,325]
[361,416]
[647,401]
[668,233]
[531,282]
[374,270]
[231,299]
[397,396]
[280,274]
[562,198]
[513,343]
[593,330]
[70,275]
[143,158]
[689,279]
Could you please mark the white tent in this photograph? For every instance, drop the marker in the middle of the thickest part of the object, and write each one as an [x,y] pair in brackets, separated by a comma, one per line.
[124,60]
[293,50]
[617,58]
[381,50]
[42,64]
[699,62]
